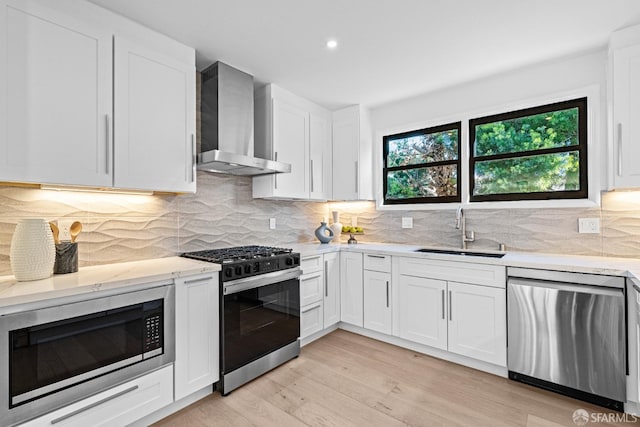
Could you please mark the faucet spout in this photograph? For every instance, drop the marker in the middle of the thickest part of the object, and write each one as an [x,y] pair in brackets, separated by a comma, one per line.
[461,225]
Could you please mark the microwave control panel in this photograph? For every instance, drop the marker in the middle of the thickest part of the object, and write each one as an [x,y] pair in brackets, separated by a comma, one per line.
[153,333]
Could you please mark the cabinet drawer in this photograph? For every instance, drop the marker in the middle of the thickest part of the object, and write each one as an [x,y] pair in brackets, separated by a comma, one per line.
[311,319]
[466,272]
[117,406]
[311,288]
[376,262]
[311,264]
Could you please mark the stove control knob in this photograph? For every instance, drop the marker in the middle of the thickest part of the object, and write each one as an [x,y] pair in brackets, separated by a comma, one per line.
[228,272]
[247,269]
[238,271]
[289,260]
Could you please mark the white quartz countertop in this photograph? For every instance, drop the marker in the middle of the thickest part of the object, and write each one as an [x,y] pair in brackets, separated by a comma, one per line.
[111,278]
[628,267]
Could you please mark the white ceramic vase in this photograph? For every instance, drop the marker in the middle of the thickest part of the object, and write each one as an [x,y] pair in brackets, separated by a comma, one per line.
[336,226]
[33,251]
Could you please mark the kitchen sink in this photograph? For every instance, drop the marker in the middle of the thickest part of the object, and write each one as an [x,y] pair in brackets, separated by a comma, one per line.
[462,252]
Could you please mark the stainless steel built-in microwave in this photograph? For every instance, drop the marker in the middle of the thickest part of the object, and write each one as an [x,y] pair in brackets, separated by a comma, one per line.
[58,355]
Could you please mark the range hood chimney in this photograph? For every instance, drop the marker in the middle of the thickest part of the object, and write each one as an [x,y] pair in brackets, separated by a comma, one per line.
[227,125]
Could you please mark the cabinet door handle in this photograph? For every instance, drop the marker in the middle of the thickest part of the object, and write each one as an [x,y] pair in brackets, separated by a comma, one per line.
[443,304]
[356,177]
[637,289]
[450,311]
[387,294]
[202,279]
[194,158]
[326,279]
[311,161]
[376,256]
[619,149]
[311,307]
[93,405]
[275,177]
[107,143]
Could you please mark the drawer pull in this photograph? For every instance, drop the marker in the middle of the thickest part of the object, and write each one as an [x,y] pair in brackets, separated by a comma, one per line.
[93,405]
[376,256]
[311,307]
[637,289]
[315,276]
[202,279]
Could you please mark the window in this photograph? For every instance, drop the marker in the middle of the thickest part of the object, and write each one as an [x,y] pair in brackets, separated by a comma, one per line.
[422,166]
[532,154]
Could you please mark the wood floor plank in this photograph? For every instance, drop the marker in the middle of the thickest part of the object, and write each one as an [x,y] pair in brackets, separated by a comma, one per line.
[345,379]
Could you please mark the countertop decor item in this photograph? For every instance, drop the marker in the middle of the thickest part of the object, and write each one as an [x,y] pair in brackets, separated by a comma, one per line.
[352,240]
[336,226]
[66,258]
[75,230]
[321,233]
[56,232]
[33,252]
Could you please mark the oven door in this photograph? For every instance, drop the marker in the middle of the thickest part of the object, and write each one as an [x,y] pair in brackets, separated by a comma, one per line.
[260,315]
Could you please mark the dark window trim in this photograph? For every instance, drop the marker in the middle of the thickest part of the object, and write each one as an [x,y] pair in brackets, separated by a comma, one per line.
[581,148]
[434,129]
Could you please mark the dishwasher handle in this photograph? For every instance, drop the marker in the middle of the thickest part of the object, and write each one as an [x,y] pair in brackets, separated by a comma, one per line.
[566,287]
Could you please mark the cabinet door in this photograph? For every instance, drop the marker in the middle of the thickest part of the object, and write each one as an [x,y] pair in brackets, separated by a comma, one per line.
[197,334]
[55,91]
[422,310]
[477,322]
[154,119]
[377,301]
[319,157]
[345,157]
[332,289]
[626,110]
[291,145]
[351,297]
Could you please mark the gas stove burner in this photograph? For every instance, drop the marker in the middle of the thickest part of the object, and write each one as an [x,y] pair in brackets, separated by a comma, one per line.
[245,261]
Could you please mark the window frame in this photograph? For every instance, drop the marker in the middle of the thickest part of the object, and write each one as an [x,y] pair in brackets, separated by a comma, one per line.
[417,200]
[581,148]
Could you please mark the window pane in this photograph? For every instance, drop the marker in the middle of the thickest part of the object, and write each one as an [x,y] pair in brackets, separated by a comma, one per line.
[434,181]
[531,174]
[535,132]
[426,148]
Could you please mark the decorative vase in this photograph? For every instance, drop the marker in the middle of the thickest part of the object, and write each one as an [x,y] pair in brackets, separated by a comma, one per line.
[336,226]
[33,252]
[321,233]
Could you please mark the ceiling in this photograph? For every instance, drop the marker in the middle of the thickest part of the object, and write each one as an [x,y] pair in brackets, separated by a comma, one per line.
[388,49]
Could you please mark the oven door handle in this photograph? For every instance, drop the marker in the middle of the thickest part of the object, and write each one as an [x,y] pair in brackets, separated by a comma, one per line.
[260,280]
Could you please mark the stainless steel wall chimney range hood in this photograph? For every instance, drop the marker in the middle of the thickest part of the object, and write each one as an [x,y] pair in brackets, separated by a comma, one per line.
[227,125]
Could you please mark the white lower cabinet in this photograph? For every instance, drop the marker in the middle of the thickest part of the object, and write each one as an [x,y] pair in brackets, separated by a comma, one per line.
[377,301]
[463,318]
[351,288]
[118,406]
[422,311]
[319,293]
[197,334]
[311,319]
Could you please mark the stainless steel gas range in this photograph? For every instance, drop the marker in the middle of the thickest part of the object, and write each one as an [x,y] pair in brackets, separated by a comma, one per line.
[259,310]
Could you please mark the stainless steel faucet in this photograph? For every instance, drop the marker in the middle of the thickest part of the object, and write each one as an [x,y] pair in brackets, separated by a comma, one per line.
[461,224]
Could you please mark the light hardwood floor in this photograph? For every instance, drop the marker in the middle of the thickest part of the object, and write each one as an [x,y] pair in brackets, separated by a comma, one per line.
[345,379]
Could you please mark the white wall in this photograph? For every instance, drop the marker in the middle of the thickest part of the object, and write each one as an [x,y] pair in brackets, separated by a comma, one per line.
[536,84]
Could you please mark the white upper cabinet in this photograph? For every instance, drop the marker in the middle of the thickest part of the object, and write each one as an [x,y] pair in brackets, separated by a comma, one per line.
[352,155]
[292,130]
[624,90]
[55,71]
[58,97]
[154,97]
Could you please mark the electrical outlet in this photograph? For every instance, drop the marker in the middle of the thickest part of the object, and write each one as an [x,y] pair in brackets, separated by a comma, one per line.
[589,225]
[64,226]
[272,223]
[407,222]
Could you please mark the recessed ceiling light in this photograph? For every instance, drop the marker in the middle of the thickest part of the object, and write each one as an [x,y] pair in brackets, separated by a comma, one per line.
[332,44]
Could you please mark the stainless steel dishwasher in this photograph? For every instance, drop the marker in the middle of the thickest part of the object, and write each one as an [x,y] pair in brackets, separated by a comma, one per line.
[566,333]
